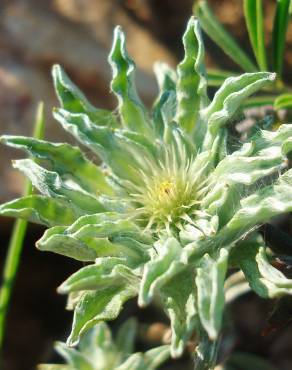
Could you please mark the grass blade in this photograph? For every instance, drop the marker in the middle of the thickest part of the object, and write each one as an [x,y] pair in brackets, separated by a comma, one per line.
[280,26]
[221,37]
[16,242]
[259,101]
[216,77]
[283,101]
[253,11]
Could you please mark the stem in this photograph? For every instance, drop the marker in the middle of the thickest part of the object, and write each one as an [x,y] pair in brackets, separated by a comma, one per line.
[16,242]
[205,357]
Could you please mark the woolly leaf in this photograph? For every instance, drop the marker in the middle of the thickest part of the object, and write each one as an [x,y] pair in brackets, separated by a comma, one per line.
[50,184]
[72,99]
[161,268]
[164,113]
[96,306]
[41,210]
[229,97]
[166,78]
[54,367]
[74,358]
[210,290]
[132,111]
[125,338]
[178,295]
[264,279]
[66,160]
[264,204]
[107,271]
[149,360]
[97,236]
[192,83]
[102,141]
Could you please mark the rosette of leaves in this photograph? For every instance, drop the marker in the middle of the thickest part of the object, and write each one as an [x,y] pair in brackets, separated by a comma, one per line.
[98,351]
[170,208]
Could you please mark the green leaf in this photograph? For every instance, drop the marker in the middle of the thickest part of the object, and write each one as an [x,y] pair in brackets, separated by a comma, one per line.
[132,111]
[210,291]
[54,367]
[166,77]
[221,37]
[206,352]
[103,141]
[149,360]
[216,77]
[263,278]
[12,260]
[253,11]
[41,210]
[283,101]
[164,113]
[66,160]
[73,100]
[50,184]
[247,168]
[125,338]
[96,306]
[178,295]
[259,101]
[74,358]
[97,344]
[97,236]
[280,26]
[155,357]
[258,208]
[162,267]
[164,107]
[55,240]
[106,271]
[191,83]
[228,99]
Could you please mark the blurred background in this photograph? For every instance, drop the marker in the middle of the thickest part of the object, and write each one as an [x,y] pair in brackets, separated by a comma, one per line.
[35,34]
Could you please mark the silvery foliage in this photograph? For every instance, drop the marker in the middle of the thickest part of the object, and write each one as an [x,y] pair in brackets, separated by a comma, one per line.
[99,351]
[170,208]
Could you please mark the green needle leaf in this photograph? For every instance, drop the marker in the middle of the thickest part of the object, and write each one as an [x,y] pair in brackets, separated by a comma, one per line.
[253,11]
[283,101]
[281,20]
[16,242]
[221,37]
[216,77]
